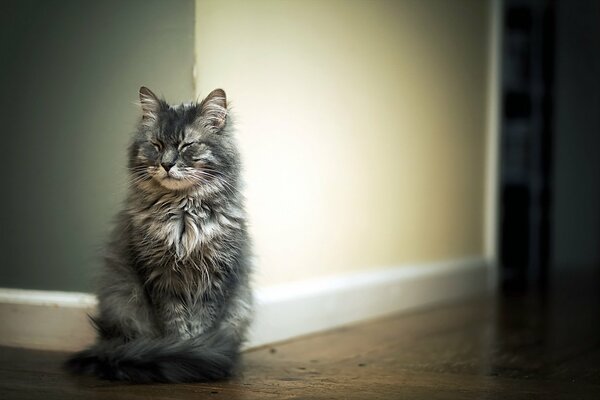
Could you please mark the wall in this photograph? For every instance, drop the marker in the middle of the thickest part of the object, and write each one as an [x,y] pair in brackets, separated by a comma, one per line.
[362,125]
[70,72]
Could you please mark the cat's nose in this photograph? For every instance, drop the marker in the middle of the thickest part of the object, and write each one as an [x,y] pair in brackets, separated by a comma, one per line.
[167,165]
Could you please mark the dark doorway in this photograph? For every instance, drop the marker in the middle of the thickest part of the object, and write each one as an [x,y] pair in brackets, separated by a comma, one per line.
[550,140]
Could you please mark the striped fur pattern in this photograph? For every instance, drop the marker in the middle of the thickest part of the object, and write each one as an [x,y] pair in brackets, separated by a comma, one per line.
[174,296]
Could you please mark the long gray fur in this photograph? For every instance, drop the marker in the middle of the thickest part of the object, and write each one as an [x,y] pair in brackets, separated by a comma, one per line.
[174,296]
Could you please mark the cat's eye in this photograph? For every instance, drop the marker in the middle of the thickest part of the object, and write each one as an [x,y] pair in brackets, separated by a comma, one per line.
[184,145]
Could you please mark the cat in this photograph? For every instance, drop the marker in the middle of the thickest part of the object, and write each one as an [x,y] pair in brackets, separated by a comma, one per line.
[174,298]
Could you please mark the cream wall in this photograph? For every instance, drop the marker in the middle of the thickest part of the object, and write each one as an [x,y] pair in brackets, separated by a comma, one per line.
[362,126]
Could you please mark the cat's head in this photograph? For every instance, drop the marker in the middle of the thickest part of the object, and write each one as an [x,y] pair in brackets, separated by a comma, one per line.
[184,147]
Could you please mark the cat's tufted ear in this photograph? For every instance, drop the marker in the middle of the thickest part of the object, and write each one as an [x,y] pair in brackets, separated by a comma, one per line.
[213,111]
[150,103]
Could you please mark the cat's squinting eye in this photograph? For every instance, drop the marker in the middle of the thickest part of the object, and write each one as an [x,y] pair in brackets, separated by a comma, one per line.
[184,145]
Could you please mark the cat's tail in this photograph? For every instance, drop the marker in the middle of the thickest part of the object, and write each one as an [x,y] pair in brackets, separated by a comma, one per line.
[206,358]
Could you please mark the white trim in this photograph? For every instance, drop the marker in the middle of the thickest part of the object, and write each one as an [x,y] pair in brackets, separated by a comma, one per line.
[47,298]
[493,137]
[58,320]
[306,307]
[357,280]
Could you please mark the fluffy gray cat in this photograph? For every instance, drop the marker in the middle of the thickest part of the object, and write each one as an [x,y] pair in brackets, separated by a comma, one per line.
[174,296]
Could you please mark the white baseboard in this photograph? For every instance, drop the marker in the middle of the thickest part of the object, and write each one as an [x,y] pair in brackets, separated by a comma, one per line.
[58,320]
[305,307]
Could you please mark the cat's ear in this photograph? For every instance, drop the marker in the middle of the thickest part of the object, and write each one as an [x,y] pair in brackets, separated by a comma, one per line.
[213,111]
[150,103]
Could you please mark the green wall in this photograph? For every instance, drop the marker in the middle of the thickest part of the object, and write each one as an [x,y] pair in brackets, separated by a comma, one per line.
[69,74]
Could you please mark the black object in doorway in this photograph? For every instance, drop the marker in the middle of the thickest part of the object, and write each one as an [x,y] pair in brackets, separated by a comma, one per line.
[526,140]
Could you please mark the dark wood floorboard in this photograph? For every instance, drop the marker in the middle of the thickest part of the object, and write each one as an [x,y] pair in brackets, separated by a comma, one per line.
[543,345]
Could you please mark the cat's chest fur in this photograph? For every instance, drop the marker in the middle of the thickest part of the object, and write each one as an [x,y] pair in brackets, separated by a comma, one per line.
[178,225]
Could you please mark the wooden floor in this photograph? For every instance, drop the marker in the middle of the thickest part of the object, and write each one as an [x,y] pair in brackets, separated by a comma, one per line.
[539,346]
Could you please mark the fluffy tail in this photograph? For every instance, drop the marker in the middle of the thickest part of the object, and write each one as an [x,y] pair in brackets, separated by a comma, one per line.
[206,358]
